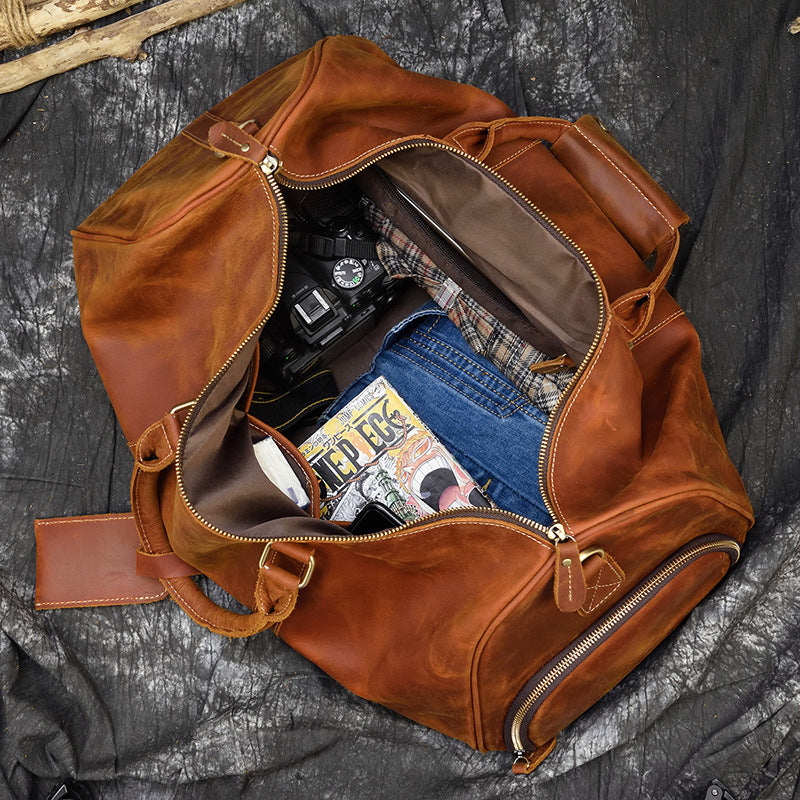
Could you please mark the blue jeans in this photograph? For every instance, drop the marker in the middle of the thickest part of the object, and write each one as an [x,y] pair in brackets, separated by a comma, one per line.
[491,428]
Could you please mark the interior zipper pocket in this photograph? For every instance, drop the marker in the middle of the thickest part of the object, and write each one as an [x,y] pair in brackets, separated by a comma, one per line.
[547,680]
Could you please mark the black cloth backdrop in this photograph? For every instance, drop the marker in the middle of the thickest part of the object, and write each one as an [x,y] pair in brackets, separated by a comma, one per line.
[138,702]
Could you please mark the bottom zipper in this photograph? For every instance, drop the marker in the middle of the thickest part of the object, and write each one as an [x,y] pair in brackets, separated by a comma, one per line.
[541,685]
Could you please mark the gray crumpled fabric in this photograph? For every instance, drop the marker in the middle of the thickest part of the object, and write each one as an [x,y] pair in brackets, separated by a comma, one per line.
[140,702]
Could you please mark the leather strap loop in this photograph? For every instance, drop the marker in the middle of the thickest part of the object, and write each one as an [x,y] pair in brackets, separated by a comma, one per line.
[155,448]
[634,310]
[162,565]
[226,138]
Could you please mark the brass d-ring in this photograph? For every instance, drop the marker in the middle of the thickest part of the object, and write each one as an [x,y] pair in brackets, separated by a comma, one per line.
[592,551]
[305,577]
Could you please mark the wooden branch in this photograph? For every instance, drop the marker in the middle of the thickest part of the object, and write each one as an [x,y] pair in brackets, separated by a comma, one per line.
[121,39]
[47,17]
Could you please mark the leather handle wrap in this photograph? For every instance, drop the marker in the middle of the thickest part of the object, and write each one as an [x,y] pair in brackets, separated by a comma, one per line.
[626,193]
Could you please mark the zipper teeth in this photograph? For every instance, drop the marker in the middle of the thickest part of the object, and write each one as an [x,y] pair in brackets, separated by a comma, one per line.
[272,180]
[282,213]
[492,513]
[586,644]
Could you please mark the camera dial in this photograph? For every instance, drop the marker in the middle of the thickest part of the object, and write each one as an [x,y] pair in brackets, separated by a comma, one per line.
[348,273]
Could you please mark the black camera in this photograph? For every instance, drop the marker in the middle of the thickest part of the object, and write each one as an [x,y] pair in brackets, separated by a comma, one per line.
[334,286]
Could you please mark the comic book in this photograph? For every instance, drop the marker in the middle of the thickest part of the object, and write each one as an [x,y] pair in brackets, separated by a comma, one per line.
[377,448]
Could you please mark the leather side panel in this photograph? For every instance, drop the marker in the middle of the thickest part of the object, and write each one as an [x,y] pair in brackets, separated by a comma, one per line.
[525,637]
[397,620]
[162,315]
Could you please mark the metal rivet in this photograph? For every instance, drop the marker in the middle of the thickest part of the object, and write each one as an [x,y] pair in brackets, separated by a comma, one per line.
[567,562]
[245,147]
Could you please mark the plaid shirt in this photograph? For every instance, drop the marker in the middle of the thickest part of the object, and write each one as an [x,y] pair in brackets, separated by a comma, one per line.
[483,332]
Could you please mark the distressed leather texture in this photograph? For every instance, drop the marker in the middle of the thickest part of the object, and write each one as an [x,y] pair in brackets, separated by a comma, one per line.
[445,621]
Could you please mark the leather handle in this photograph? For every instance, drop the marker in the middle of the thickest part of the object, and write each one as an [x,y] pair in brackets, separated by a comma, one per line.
[633,201]
[626,193]
[644,214]
[276,588]
[634,310]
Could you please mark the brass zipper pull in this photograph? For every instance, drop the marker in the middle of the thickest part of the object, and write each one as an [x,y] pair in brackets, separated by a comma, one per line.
[569,582]
[269,164]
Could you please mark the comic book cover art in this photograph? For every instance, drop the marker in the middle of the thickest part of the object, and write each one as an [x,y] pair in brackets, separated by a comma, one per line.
[377,448]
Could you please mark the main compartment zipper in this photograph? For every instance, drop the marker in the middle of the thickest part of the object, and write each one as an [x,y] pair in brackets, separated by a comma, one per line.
[269,170]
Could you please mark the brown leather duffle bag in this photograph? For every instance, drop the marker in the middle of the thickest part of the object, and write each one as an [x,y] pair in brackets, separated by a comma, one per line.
[478,622]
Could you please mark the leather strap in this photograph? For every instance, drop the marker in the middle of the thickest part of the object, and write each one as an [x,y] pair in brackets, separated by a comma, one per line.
[117,559]
[226,138]
[90,561]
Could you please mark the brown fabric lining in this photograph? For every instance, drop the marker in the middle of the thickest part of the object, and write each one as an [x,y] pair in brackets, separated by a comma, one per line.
[540,275]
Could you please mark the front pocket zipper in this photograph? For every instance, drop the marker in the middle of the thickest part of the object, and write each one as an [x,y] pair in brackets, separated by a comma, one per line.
[544,682]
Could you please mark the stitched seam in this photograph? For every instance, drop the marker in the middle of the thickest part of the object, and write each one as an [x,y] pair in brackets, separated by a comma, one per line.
[478,367]
[415,357]
[589,603]
[517,154]
[82,520]
[225,136]
[661,324]
[597,602]
[517,402]
[166,438]
[628,298]
[533,121]
[72,603]
[472,398]
[623,325]
[491,391]
[484,127]
[649,201]
[571,402]
[345,163]
[193,611]
[469,130]
[137,517]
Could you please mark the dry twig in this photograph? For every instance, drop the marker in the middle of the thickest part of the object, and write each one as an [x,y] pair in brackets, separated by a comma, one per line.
[46,17]
[122,39]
